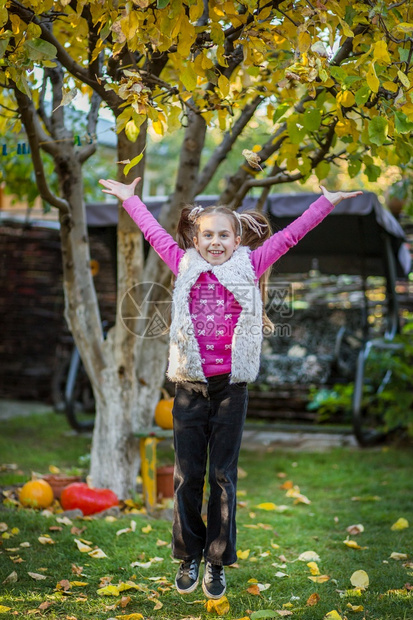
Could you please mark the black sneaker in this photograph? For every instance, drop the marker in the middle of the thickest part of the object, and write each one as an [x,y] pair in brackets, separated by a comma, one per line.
[187,577]
[213,583]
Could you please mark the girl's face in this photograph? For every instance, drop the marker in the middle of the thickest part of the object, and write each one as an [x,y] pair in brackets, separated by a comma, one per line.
[216,239]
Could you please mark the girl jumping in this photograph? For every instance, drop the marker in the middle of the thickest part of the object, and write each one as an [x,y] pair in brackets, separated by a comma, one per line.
[215,345]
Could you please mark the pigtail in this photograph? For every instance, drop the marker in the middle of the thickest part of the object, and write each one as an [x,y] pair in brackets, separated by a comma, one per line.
[255,230]
[185,230]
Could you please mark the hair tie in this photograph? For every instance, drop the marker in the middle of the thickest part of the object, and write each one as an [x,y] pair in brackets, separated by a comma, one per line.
[194,213]
[252,223]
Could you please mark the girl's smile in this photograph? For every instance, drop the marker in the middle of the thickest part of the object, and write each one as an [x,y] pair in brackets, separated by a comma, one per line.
[216,240]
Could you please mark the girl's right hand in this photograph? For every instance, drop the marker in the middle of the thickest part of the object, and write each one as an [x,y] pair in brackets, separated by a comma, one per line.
[120,190]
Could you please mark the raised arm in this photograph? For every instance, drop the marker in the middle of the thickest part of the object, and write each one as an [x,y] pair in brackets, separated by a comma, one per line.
[161,241]
[279,243]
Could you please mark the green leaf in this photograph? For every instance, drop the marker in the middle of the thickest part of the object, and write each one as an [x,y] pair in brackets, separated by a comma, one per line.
[378,127]
[372,172]
[354,166]
[362,95]
[280,111]
[134,162]
[264,613]
[402,123]
[311,119]
[338,73]
[295,132]
[40,50]
[322,169]
[161,4]
[3,46]
[131,131]
[403,53]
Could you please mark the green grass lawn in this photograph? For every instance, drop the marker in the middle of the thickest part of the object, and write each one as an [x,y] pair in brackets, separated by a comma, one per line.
[345,487]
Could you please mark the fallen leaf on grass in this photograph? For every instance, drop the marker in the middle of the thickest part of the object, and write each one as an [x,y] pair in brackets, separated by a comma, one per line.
[360,579]
[161,543]
[46,540]
[333,615]
[4,609]
[313,599]
[97,553]
[353,530]
[12,578]
[309,556]
[319,578]
[398,556]
[243,555]
[82,546]
[284,612]
[267,506]
[263,613]
[131,617]
[299,498]
[158,605]
[355,607]
[313,566]
[220,606]
[146,529]
[77,570]
[36,576]
[400,524]
[254,589]
[352,544]
[126,530]
[280,574]
[124,601]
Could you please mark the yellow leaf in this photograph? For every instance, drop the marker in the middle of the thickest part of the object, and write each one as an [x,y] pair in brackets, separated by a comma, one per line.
[146,529]
[346,98]
[403,79]
[304,42]
[53,469]
[400,524]
[131,617]
[355,607]
[243,555]
[82,547]
[266,505]
[223,85]
[381,53]
[313,568]
[97,553]
[373,81]
[46,540]
[352,544]
[360,579]
[79,584]
[4,609]
[333,615]
[398,556]
[158,605]
[220,606]
[391,86]
[320,578]
[108,591]
[188,78]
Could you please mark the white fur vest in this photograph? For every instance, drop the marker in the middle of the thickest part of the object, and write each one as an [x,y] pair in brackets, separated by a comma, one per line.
[236,275]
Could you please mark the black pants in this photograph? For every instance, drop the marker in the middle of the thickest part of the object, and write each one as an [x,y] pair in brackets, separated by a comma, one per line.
[208,419]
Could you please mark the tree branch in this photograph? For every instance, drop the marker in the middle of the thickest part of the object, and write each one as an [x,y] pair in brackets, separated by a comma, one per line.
[27,15]
[28,115]
[92,118]
[226,145]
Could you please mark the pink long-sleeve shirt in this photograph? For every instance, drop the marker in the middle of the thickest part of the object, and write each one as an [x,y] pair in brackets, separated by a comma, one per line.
[213,309]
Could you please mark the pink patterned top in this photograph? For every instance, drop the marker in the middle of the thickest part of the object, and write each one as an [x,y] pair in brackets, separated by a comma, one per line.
[213,308]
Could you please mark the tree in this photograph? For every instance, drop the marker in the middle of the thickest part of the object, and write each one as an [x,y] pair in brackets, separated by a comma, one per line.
[330,79]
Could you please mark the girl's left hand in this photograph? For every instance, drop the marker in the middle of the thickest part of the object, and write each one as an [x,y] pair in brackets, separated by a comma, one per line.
[336,197]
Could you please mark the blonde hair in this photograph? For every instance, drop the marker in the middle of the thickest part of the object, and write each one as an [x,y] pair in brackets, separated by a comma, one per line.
[253,228]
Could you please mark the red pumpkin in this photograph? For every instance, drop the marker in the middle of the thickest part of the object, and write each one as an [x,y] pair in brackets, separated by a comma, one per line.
[88,500]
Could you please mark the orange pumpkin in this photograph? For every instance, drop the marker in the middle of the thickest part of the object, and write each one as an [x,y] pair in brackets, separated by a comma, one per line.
[163,411]
[36,494]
